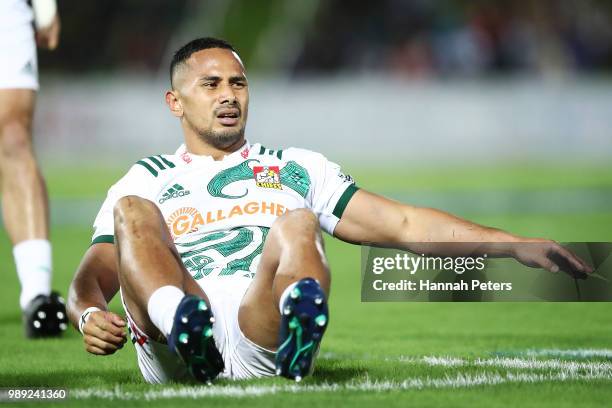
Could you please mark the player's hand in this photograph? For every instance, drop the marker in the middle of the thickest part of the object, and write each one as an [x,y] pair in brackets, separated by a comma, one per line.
[549,255]
[48,37]
[104,333]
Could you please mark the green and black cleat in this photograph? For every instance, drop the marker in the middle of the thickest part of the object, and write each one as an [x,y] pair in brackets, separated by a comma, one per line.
[45,316]
[304,318]
[192,339]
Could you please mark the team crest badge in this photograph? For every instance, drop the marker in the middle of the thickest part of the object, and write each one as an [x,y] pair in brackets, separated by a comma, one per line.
[267,176]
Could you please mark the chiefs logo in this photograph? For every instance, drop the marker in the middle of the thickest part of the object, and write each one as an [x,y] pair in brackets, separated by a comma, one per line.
[184,220]
[267,176]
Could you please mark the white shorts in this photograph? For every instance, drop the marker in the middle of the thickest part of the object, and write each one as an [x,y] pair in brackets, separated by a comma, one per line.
[243,359]
[18,63]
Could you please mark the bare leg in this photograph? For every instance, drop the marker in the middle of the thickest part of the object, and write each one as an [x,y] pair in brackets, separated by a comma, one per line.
[24,195]
[147,259]
[293,251]
[25,212]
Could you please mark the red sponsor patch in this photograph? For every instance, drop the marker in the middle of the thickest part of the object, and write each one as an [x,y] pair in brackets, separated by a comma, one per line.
[267,177]
[245,153]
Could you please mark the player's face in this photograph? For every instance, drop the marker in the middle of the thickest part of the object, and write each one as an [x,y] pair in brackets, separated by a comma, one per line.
[214,95]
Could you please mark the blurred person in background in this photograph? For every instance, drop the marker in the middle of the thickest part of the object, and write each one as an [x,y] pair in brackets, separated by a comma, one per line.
[25,209]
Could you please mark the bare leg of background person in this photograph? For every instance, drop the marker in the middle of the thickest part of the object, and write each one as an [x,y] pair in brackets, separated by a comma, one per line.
[293,251]
[152,277]
[25,208]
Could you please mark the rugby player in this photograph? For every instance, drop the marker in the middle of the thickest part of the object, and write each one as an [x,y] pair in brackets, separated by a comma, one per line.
[216,249]
[25,209]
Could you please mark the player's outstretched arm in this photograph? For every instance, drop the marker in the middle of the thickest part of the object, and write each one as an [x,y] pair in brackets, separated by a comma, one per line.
[370,218]
[95,283]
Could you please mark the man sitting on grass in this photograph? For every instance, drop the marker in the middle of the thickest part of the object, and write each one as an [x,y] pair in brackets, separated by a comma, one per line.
[217,249]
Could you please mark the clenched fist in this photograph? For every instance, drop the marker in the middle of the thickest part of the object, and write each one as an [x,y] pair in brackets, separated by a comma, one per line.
[104,333]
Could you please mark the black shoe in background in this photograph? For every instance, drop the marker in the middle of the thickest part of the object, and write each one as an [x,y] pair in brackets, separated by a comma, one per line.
[45,316]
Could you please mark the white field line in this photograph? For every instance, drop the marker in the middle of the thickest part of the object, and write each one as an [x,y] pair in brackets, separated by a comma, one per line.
[571,353]
[443,361]
[554,370]
[533,364]
[457,381]
[508,363]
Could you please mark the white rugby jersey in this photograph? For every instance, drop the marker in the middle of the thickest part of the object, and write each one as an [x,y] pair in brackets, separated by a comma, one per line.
[219,212]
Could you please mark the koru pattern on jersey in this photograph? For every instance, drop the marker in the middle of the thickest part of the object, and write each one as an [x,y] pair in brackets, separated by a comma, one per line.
[219,212]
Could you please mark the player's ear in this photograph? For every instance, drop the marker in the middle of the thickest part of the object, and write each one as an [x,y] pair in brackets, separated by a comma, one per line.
[174,104]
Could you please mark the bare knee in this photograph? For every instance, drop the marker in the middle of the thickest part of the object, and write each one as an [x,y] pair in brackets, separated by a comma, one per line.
[302,214]
[298,218]
[15,139]
[135,215]
[296,224]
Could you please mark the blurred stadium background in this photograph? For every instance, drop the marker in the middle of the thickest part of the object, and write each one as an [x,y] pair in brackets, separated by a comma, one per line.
[415,81]
[510,92]
[499,111]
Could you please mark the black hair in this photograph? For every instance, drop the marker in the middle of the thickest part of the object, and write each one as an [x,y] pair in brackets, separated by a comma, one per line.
[196,45]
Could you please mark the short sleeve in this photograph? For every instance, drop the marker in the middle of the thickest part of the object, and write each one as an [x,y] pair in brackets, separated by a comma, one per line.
[331,193]
[330,189]
[135,182]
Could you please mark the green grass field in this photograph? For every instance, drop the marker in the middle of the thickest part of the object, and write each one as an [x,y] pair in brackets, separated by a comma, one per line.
[396,354]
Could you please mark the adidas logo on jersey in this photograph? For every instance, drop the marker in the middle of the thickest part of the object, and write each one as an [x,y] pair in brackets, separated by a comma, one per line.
[28,68]
[173,192]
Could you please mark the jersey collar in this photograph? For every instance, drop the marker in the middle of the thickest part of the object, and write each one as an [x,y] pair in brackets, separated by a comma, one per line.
[238,155]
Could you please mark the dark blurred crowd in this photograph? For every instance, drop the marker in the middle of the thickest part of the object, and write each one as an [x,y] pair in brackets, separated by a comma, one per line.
[412,38]
[423,38]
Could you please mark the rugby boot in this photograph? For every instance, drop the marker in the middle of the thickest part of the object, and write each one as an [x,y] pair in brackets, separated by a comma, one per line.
[45,316]
[192,339]
[304,318]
